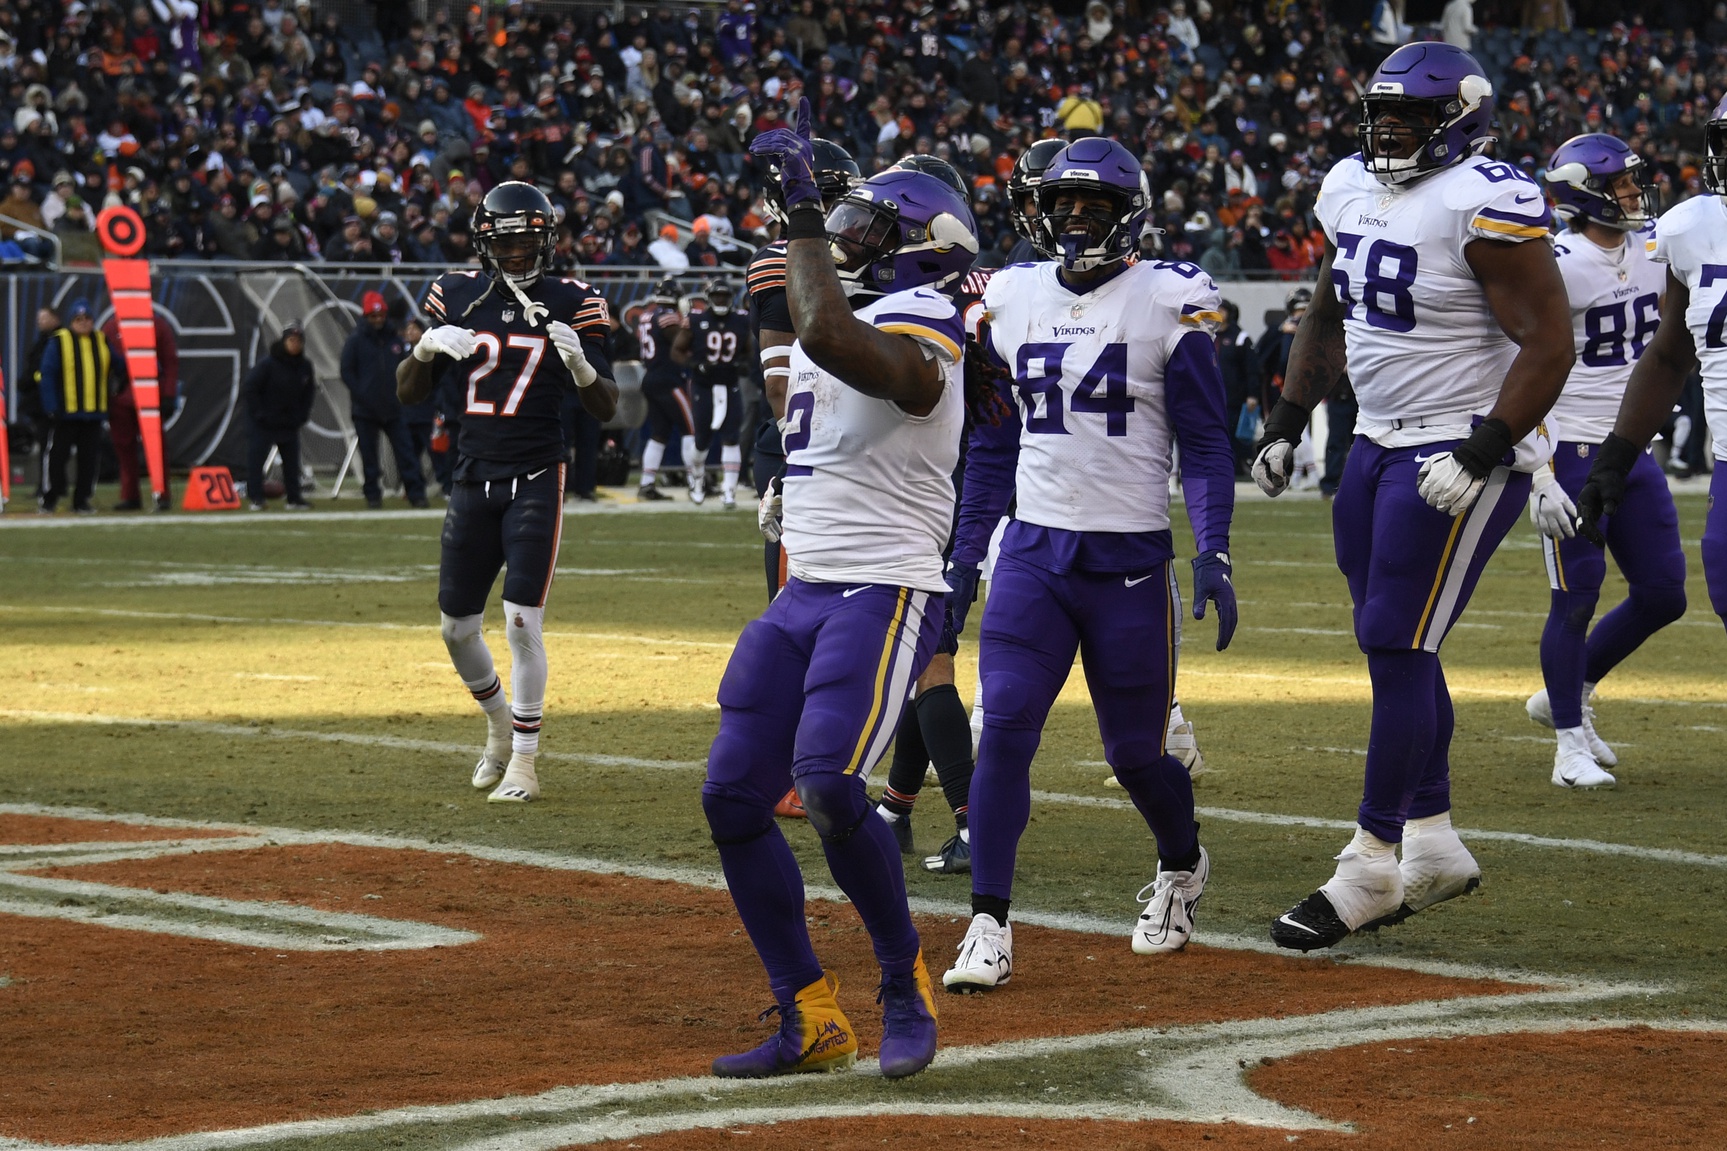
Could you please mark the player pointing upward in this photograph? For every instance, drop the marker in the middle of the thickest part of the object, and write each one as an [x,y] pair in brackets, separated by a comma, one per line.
[522,337]
[1112,364]
[1439,282]
[873,416]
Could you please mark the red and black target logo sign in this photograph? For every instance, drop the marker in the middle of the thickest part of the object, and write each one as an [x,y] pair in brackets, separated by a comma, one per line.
[121,230]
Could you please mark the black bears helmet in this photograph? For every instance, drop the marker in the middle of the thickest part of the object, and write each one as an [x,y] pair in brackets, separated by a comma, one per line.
[515,232]
[835,171]
[934,166]
[719,297]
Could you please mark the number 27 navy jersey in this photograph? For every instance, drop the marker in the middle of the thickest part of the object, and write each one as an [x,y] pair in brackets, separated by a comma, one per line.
[513,384]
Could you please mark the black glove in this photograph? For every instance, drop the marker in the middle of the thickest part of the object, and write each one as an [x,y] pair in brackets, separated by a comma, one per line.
[1605,487]
[1486,447]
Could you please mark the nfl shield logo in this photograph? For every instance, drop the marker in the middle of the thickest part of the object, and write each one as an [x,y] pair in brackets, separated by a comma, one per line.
[1583,449]
[509,314]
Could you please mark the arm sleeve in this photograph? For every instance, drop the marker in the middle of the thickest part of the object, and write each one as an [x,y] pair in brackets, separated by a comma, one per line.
[991,470]
[594,349]
[1194,396]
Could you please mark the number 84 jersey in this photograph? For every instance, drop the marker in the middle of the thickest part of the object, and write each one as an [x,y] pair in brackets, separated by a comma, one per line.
[1088,372]
[1420,338]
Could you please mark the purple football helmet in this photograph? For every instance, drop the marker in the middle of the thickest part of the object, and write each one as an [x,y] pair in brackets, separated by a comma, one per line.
[901,229]
[1715,150]
[1440,108]
[1581,176]
[1093,164]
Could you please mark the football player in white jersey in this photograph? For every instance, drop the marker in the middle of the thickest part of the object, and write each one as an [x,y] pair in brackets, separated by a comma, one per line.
[1112,364]
[814,687]
[1440,287]
[1691,239]
[1601,188]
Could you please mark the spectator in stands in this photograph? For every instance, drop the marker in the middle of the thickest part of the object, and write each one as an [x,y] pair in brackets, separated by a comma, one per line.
[665,251]
[370,357]
[279,392]
[80,372]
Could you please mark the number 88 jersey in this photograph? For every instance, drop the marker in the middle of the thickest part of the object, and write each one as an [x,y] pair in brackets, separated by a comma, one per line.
[1421,340]
[1691,239]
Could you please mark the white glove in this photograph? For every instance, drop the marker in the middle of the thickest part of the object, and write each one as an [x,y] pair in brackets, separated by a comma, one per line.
[768,512]
[445,339]
[1273,467]
[1447,485]
[569,346]
[1550,509]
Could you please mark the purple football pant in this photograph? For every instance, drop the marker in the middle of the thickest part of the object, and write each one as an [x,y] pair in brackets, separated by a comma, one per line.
[1715,541]
[1122,627]
[810,697]
[1643,535]
[1411,570]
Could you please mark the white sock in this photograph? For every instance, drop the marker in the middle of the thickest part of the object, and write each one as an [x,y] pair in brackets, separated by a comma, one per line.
[473,662]
[527,679]
[696,465]
[1574,739]
[1369,845]
[652,453]
[1176,719]
[1588,692]
[965,834]
[731,462]
[887,816]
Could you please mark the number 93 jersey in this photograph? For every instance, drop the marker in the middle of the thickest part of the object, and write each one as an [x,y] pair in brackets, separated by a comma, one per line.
[1088,372]
[514,383]
[1615,308]
[869,489]
[1420,338]
[1691,239]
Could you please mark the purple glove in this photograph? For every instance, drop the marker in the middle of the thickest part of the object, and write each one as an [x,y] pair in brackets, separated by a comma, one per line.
[1211,583]
[790,150]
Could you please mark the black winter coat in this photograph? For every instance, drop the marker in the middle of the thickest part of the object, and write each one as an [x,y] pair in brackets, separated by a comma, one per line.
[369,360]
[280,390]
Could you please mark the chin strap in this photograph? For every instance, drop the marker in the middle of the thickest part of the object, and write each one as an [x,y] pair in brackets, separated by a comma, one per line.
[531,311]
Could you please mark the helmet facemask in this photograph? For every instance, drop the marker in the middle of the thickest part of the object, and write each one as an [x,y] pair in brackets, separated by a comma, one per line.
[1715,156]
[1086,224]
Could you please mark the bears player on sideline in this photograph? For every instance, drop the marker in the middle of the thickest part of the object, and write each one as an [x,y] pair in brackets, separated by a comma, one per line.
[506,507]
[1440,284]
[1691,239]
[1113,363]
[872,430]
[720,340]
[665,338]
[1601,187]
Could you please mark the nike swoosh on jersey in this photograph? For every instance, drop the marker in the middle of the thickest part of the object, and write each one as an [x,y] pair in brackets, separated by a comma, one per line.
[1525,199]
[1140,580]
[538,474]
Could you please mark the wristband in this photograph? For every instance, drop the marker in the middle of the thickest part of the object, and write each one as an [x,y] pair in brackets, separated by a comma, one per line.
[1487,445]
[1617,453]
[1287,421]
[806,223]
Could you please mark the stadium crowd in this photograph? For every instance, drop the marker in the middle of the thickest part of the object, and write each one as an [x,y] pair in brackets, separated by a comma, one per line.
[265,130]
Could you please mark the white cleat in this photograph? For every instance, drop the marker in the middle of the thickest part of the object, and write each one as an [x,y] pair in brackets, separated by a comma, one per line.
[519,785]
[1541,711]
[1573,767]
[1366,890]
[1166,924]
[488,771]
[698,489]
[985,957]
[1436,866]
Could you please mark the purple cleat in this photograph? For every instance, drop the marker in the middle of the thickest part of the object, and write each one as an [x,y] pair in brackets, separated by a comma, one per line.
[814,1035]
[908,1022]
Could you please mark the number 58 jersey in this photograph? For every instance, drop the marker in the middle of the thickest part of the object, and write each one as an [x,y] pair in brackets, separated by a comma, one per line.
[1088,372]
[1420,338]
[1691,239]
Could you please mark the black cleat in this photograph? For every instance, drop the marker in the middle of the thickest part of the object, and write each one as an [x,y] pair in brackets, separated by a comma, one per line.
[650,494]
[954,859]
[1310,925]
[902,834]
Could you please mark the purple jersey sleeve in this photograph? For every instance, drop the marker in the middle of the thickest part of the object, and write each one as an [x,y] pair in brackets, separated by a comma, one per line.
[991,468]
[1194,395]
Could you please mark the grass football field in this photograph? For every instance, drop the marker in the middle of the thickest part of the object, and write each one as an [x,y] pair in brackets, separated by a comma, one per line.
[282,678]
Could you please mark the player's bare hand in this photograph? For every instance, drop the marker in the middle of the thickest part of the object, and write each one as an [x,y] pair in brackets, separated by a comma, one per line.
[1447,485]
[447,340]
